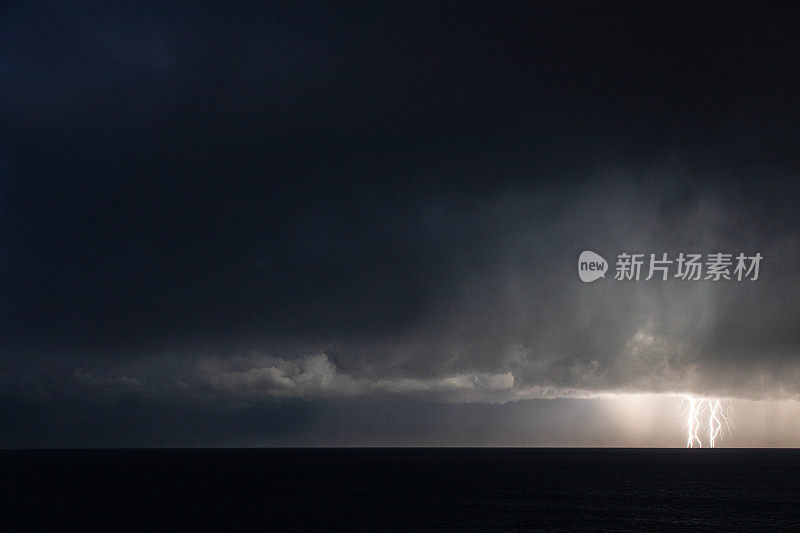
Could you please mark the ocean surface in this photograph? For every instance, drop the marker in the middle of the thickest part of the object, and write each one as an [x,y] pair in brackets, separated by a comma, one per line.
[441,489]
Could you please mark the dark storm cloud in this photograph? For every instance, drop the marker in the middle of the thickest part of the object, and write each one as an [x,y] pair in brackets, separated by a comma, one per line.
[207,204]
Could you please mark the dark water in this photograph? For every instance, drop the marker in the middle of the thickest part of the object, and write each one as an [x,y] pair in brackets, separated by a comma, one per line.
[421,489]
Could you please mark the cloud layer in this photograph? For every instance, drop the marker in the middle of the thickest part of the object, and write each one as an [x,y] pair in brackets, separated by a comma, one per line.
[299,204]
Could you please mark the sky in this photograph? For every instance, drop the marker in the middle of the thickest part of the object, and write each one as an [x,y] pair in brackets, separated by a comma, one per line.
[306,224]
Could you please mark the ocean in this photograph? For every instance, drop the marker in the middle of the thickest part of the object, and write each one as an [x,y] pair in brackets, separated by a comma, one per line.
[422,489]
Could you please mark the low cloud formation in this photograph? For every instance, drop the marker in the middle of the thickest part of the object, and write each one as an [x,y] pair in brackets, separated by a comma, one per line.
[317,376]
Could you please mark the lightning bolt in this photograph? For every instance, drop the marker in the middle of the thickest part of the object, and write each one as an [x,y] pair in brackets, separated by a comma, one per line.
[705,417]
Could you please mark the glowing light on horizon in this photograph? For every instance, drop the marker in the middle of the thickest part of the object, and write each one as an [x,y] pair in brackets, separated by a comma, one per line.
[705,417]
